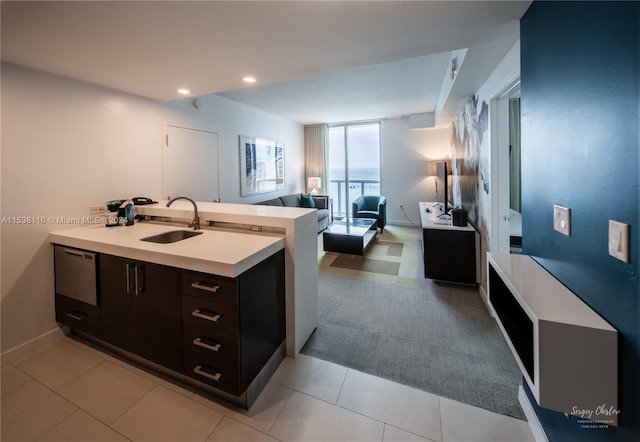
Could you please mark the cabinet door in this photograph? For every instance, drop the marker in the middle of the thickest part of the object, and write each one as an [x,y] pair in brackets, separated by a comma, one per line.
[141,309]
[119,324]
[159,315]
[450,255]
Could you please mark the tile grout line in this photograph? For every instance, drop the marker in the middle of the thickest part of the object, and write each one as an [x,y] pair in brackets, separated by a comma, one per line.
[131,406]
[344,379]
[390,424]
[441,423]
[357,412]
[217,425]
[279,414]
[58,395]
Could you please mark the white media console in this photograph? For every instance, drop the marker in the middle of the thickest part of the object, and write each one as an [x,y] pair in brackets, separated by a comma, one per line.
[567,353]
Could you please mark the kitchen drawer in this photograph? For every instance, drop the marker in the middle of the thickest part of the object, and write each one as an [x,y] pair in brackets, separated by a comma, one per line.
[217,345]
[212,372]
[213,315]
[215,288]
[78,315]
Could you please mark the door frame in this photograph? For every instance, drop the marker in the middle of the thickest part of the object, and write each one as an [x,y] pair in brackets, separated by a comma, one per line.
[499,117]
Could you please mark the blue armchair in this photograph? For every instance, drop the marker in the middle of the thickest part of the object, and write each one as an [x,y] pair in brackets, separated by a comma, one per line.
[371,206]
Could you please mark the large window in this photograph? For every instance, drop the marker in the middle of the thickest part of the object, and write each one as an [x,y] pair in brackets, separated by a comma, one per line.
[354,164]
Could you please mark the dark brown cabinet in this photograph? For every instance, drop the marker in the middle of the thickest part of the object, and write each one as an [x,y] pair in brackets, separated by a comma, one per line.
[140,308]
[450,255]
[217,330]
[232,326]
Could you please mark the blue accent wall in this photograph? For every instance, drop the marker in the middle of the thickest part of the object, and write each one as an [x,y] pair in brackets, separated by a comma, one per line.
[580,69]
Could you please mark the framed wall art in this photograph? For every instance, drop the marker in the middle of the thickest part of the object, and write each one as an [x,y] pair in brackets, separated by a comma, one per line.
[261,165]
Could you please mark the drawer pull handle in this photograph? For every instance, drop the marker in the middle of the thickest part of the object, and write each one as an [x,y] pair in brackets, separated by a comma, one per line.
[200,343]
[77,316]
[214,377]
[205,286]
[209,317]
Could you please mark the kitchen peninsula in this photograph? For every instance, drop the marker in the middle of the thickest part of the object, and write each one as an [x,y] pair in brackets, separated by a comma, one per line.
[239,249]
[299,227]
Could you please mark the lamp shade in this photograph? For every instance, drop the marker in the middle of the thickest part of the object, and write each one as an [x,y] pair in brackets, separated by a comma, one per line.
[432,167]
[314,182]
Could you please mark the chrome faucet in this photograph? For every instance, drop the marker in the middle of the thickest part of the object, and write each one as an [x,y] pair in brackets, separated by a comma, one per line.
[196,220]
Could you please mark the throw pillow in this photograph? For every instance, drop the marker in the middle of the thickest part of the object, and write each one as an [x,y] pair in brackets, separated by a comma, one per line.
[307,202]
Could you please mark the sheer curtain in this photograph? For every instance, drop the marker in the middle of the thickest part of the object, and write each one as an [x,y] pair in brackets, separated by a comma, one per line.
[316,139]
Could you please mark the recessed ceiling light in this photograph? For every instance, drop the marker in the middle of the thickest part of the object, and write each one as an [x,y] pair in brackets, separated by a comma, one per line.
[249,80]
[184,91]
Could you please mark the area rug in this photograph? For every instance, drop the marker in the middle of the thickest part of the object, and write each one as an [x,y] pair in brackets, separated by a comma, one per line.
[435,337]
[391,258]
[367,265]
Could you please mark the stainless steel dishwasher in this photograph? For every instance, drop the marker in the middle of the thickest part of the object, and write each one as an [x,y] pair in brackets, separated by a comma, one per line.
[75,272]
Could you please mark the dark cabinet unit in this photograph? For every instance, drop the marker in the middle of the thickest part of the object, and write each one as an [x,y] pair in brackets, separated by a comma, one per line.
[232,326]
[450,255]
[141,304]
[217,330]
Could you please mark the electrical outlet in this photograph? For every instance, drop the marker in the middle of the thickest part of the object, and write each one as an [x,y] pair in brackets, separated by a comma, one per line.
[562,219]
[98,210]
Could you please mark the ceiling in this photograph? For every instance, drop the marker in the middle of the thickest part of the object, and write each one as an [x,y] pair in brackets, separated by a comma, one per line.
[314,61]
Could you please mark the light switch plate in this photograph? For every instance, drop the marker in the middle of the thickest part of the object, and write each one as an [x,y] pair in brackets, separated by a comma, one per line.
[619,240]
[562,219]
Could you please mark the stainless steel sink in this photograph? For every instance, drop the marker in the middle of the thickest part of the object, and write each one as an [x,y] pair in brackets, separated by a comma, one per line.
[172,236]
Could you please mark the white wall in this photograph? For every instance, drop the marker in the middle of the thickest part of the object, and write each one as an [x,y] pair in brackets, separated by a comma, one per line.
[67,145]
[404,158]
[231,119]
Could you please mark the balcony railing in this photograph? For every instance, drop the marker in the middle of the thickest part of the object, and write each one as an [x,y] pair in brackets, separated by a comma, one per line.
[338,192]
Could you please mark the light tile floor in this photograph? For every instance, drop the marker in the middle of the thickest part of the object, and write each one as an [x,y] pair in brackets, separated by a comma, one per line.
[69,391]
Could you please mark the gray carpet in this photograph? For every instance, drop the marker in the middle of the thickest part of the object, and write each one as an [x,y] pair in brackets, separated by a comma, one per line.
[435,337]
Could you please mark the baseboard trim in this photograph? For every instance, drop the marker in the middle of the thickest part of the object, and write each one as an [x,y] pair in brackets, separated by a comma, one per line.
[402,223]
[532,417]
[22,350]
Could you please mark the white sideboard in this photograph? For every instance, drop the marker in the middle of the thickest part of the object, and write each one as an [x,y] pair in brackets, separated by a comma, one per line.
[567,353]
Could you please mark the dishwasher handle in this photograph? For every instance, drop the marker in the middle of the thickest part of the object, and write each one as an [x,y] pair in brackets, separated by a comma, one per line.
[74,252]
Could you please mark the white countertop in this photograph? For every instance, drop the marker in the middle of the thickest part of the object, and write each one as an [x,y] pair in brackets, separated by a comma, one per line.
[216,252]
[429,218]
[228,212]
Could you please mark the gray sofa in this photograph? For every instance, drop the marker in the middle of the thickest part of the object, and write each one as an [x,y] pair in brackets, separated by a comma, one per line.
[293,200]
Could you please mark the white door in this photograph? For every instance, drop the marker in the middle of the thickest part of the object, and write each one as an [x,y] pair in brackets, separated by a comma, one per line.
[191,166]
